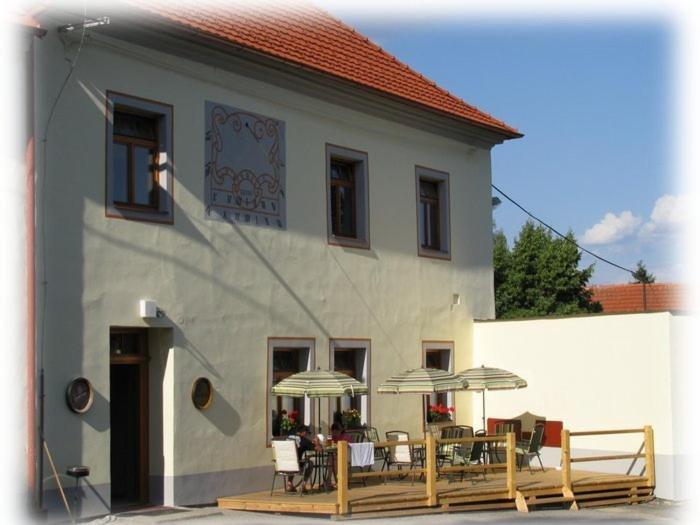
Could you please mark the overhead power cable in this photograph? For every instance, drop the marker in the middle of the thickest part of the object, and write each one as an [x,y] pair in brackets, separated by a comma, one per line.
[567,239]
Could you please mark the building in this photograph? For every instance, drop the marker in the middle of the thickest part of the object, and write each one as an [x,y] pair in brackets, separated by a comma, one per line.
[231,196]
[638,297]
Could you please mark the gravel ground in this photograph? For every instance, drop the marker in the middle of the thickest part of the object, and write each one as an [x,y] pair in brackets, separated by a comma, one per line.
[657,511]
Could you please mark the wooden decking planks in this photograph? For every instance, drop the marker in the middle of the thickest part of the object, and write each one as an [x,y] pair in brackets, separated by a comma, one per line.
[536,488]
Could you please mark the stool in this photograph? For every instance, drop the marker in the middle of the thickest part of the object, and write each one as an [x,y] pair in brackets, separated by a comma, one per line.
[77,472]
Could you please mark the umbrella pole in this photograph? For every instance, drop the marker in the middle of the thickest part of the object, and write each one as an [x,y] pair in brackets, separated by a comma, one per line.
[483,409]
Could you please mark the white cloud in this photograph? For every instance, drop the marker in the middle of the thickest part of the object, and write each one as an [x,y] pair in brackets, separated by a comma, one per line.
[670,214]
[612,228]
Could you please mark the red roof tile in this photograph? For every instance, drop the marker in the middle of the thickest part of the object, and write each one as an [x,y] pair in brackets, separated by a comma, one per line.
[625,298]
[305,35]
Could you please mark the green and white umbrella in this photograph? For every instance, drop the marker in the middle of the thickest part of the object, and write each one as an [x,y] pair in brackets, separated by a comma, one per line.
[422,381]
[319,383]
[486,378]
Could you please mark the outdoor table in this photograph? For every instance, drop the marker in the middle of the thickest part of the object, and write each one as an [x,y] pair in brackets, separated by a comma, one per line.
[323,461]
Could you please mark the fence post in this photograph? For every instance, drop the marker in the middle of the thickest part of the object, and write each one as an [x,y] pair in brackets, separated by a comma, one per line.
[342,477]
[649,456]
[510,463]
[566,460]
[430,469]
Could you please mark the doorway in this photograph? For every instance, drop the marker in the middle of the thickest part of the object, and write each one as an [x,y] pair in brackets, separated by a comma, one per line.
[128,416]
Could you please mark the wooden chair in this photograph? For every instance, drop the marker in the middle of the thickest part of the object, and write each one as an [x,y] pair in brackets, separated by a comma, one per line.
[531,448]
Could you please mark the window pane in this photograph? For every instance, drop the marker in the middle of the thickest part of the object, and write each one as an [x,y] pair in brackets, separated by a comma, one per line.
[120,173]
[136,126]
[144,186]
[342,211]
[429,190]
[342,171]
[434,226]
[286,362]
[422,231]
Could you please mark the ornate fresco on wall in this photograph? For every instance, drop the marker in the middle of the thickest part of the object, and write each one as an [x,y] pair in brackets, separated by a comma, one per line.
[244,180]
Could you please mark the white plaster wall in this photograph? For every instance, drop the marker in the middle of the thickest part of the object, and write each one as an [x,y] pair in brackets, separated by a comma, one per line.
[225,288]
[593,373]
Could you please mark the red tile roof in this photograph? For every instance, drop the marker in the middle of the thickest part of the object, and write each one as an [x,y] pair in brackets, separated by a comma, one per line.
[302,34]
[625,298]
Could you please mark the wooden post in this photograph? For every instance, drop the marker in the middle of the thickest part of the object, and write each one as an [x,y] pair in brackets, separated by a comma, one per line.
[343,477]
[430,469]
[566,486]
[510,463]
[649,456]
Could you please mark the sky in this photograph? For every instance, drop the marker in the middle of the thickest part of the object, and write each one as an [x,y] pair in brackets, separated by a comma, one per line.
[594,99]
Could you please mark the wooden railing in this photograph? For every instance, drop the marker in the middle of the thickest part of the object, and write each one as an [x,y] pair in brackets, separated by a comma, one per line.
[648,455]
[430,469]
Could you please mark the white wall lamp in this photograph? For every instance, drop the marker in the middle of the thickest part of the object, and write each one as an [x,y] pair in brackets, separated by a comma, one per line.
[148,309]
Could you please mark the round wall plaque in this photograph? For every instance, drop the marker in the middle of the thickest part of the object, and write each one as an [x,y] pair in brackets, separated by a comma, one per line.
[202,393]
[79,395]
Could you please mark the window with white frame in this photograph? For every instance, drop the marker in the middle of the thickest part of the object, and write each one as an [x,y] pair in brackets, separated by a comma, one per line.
[285,358]
[347,197]
[352,357]
[439,355]
[433,210]
[139,179]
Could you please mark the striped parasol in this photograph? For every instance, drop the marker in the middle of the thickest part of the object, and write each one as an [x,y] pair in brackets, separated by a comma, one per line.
[486,378]
[422,381]
[319,383]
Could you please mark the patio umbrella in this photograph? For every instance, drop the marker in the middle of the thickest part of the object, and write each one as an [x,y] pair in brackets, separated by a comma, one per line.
[317,384]
[422,381]
[486,378]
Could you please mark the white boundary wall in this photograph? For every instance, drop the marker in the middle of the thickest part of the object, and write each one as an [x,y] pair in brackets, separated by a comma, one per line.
[597,373]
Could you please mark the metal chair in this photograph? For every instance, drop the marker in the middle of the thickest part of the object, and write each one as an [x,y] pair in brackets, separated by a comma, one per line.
[402,455]
[531,448]
[380,453]
[476,455]
[286,460]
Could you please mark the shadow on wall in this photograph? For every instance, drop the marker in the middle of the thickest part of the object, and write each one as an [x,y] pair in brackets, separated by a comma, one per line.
[98,416]
[222,415]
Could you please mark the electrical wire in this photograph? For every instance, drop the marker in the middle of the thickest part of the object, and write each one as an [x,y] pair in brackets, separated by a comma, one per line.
[567,239]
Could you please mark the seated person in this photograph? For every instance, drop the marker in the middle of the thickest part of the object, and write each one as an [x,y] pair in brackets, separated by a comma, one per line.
[338,433]
[304,444]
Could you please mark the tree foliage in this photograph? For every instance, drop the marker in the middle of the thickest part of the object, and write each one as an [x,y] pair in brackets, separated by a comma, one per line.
[642,275]
[540,275]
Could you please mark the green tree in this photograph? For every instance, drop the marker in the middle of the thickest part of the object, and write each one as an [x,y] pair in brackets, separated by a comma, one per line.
[642,275]
[540,276]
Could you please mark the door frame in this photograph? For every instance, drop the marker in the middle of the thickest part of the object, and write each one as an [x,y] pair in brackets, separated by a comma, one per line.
[141,360]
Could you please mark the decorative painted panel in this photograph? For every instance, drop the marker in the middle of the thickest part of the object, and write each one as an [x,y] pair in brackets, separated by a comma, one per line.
[244,179]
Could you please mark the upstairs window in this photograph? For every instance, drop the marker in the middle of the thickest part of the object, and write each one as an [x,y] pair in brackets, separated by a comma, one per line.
[139,159]
[433,209]
[348,199]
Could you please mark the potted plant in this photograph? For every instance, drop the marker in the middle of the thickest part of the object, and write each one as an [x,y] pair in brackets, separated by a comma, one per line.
[440,413]
[288,423]
[351,418]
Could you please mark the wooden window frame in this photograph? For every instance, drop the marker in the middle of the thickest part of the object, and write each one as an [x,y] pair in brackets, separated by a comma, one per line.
[359,162]
[336,183]
[442,179]
[162,211]
[353,343]
[131,144]
[433,345]
[285,343]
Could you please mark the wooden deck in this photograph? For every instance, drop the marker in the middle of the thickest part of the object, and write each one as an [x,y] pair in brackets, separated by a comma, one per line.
[539,488]
[503,488]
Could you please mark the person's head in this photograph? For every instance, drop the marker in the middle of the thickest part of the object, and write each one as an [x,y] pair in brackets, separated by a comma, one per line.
[302,430]
[336,429]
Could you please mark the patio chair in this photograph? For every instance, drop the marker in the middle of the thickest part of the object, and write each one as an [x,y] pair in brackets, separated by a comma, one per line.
[402,455]
[356,435]
[531,448]
[446,451]
[285,458]
[380,453]
[476,455]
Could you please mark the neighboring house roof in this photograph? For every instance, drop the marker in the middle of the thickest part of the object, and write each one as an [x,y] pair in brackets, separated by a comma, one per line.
[304,35]
[625,298]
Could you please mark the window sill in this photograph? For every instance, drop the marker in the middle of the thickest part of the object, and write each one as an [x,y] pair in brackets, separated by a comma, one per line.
[348,242]
[434,254]
[135,213]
